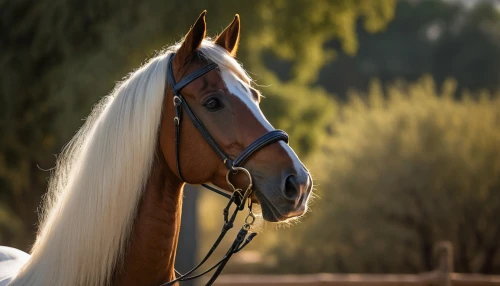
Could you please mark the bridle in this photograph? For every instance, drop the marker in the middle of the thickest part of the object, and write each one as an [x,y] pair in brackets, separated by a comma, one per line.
[238,196]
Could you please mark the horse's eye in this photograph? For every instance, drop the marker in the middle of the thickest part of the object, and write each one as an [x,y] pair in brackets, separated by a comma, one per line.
[213,104]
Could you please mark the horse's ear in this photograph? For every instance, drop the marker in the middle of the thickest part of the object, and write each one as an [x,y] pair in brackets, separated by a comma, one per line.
[193,39]
[230,37]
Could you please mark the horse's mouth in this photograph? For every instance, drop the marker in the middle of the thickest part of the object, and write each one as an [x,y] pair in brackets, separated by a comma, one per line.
[269,211]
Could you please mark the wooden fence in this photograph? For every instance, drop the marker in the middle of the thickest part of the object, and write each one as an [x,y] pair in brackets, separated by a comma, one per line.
[442,276]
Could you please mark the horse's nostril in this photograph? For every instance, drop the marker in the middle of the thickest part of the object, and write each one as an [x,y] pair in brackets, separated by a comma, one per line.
[292,188]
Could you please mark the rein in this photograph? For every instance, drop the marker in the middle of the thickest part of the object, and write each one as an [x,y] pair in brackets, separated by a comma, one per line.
[239,197]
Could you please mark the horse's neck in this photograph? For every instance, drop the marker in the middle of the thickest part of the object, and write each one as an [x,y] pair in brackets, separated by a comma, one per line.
[151,253]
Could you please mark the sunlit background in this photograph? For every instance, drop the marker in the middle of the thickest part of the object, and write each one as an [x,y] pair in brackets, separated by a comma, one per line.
[393,105]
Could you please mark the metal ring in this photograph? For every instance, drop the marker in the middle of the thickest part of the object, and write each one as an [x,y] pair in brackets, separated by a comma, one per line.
[237,169]
[250,182]
[177,100]
[176,120]
[250,219]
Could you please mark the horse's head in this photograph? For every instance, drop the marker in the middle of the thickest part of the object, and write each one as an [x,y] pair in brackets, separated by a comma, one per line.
[228,106]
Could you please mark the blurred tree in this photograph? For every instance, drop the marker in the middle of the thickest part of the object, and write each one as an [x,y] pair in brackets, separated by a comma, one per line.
[188,239]
[288,51]
[441,38]
[404,169]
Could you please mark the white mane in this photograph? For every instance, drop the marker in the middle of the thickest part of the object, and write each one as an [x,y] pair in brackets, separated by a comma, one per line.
[98,181]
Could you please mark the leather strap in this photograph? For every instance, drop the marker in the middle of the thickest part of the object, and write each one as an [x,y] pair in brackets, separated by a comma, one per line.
[203,130]
[177,87]
[266,139]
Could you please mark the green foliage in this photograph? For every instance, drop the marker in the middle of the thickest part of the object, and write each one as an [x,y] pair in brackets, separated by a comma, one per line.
[302,111]
[298,32]
[442,38]
[402,170]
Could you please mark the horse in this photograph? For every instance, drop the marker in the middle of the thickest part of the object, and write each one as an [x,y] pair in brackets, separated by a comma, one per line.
[189,115]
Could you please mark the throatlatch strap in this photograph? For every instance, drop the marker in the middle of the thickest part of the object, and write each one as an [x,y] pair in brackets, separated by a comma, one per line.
[215,190]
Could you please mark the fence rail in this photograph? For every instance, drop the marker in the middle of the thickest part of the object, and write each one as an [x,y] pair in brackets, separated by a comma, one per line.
[434,278]
[443,275]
